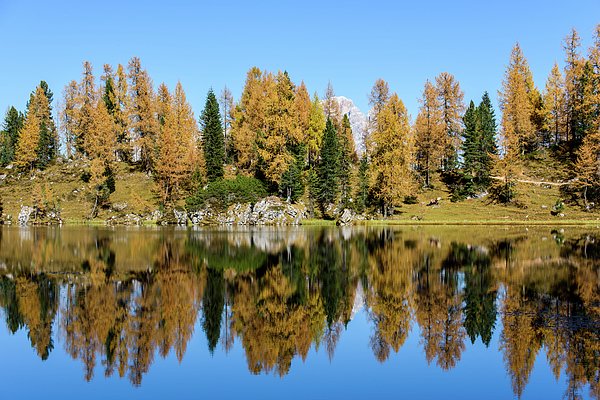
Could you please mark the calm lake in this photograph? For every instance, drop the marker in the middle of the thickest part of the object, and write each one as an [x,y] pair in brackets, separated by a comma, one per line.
[430,312]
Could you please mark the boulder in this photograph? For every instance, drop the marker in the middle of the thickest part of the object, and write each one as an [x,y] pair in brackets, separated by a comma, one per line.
[349,217]
[127,219]
[173,217]
[268,211]
[24,215]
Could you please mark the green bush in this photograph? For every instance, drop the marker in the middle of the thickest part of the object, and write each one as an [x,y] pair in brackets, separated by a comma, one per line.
[225,191]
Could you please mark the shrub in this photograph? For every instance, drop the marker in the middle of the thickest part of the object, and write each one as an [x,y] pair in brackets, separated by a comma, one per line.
[238,190]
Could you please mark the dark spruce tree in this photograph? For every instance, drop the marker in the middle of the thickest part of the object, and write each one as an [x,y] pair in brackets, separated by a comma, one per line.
[488,147]
[13,123]
[213,143]
[479,146]
[329,165]
[109,98]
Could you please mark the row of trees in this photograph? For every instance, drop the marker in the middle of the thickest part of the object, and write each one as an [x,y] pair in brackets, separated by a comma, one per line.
[297,145]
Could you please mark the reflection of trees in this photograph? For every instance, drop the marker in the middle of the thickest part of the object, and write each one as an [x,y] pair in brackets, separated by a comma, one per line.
[38,304]
[440,315]
[521,338]
[279,303]
[212,307]
[392,301]
[479,295]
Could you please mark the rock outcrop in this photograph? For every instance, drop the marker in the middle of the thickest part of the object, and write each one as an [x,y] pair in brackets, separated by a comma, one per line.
[349,217]
[24,214]
[125,219]
[268,211]
[27,216]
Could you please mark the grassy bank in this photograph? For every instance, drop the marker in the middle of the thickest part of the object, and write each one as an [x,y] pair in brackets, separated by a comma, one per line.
[541,185]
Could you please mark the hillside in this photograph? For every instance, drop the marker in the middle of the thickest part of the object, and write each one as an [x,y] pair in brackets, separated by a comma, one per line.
[544,178]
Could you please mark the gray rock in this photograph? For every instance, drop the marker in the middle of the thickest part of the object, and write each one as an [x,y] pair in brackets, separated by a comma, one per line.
[24,215]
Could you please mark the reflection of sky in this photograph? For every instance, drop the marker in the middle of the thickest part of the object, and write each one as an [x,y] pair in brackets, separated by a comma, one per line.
[354,373]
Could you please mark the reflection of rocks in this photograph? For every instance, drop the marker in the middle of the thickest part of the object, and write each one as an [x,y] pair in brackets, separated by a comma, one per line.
[359,300]
[268,211]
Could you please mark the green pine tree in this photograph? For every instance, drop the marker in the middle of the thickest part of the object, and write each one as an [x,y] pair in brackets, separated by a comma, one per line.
[488,147]
[13,123]
[292,185]
[213,142]
[109,97]
[313,190]
[328,168]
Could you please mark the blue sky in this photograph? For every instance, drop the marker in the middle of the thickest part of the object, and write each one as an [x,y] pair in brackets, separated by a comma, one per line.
[352,43]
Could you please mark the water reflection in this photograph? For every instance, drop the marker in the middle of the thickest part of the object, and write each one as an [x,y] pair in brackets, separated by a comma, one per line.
[118,298]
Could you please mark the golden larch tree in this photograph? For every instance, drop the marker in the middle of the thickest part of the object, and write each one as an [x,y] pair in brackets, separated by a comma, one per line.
[87,103]
[391,156]
[142,112]
[249,119]
[26,152]
[378,98]
[514,101]
[314,132]
[68,116]
[554,98]
[429,132]
[227,114]
[120,115]
[331,108]
[573,72]
[452,108]
[281,129]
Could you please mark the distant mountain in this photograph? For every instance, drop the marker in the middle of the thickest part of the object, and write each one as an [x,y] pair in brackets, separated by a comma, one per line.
[358,122]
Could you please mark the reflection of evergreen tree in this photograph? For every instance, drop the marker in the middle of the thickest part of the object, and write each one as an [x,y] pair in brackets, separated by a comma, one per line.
[327,257]
[480,299]
[48,293]
[292,259]
[212,307]
[14,319]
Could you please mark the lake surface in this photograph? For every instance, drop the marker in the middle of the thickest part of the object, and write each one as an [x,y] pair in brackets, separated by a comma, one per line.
[305,312]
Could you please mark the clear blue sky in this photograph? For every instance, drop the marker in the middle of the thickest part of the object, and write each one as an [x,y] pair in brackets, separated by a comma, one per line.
[352,43]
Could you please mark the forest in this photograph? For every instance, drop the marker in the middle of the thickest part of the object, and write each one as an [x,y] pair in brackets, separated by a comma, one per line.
[278,140]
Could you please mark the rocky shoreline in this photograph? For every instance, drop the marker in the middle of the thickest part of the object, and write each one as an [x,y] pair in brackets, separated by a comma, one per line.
[270,211]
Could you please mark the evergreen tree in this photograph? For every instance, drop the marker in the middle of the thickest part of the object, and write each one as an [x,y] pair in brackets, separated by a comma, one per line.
[11,128]
[292,184]
[313,190]
[40,103]
[488,147]
[109,97]
[328,168]
[213,143]
[471,137]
